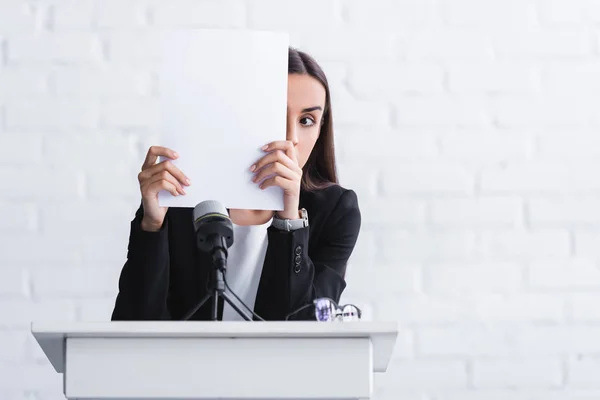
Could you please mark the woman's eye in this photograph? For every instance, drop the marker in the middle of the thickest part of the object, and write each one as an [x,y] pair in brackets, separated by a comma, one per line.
[306,121]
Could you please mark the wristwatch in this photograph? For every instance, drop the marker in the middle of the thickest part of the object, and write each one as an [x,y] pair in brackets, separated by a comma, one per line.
[291,224]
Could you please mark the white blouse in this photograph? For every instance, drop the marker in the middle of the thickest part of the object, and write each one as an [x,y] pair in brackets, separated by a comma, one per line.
[244,266]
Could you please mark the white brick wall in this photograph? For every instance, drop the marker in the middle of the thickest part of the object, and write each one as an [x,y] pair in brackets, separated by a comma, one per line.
[468,128]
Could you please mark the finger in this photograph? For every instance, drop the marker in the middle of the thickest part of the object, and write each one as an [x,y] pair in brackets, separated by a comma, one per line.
[156,151]
[279,181]
[163,176]
[159,185]
[276,156]
[276,168]
[287,146]
[164,166]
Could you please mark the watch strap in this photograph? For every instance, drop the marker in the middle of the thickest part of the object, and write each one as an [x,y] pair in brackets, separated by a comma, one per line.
[291,224]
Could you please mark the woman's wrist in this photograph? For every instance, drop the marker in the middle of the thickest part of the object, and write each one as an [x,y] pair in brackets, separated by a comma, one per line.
[288,215]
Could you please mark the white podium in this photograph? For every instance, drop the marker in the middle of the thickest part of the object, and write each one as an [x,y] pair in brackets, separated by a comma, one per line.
[217,360]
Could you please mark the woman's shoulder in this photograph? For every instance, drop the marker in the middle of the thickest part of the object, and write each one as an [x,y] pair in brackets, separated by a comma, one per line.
[333,198]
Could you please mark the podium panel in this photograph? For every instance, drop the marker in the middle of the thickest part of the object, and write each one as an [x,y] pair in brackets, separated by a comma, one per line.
[177,360]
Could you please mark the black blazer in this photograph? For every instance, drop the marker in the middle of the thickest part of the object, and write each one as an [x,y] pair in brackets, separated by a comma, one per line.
[165,275]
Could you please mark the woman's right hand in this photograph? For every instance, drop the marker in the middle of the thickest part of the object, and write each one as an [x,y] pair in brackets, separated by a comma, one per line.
[156,177]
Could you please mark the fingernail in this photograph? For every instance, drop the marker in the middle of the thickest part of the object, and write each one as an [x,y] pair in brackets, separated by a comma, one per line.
[187,181]
[176,154]
[183,190]
[266,146]
[252,168]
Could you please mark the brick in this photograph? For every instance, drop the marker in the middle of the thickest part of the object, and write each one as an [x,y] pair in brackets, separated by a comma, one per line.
[359,176]
[479,149]
[28,377]
[50,250]
[574,78]
[523,245]
[101,217]
[491,14]
[426,246]
[477,77]
[13,346]
[568,145]
[563,211]
[375,81]
[107,150]
[352,144]
[116,14]
[115,184]
[22,82]
[347,45]
[19,218]
[283,15]
[427,374]
[393,212]
[477,212]
[423,310]
[445,45]
[541,178]
[515,373]
[584,306]
[554,111]
[74,282]
[465,277]
[72,15]
[558,340]
[55,47]
[107,82]
[576,12]
[109,248]
[586,244]
[205,14]
[407,277]
[14,283]
[538,43]
[21,313]
[420,178]
[441,111]
[84,15]
[568,274]
[20,149]
[529,307]
[467,341]
[93,310]
[351,112]
[135,113]
[18,17]
[489,394]
[583,373]
[51,113]
[133,47]
[389,14]
[30,183]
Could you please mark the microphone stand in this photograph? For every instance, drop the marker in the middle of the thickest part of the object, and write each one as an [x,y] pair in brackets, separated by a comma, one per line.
[217,281]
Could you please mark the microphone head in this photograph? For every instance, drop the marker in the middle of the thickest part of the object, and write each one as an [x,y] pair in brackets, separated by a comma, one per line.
[210,207]
[212,226]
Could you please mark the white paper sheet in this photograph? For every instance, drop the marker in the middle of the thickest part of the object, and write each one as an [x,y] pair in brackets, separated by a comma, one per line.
[223,95]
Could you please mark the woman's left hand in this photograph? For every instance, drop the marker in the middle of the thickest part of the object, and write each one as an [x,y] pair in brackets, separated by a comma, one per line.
[280,168]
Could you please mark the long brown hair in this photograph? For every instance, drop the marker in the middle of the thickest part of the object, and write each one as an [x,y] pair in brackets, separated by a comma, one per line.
[320,168]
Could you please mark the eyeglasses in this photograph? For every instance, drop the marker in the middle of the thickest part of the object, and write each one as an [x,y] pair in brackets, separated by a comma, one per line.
[327,310]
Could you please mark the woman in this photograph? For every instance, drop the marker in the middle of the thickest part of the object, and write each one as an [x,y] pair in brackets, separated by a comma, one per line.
[279,261]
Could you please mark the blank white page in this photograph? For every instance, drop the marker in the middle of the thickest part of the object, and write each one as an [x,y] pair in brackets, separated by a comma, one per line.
[223,95]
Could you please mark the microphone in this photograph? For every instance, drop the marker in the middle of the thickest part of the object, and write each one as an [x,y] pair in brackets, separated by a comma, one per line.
[214,231]
[214,235]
